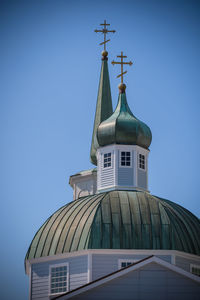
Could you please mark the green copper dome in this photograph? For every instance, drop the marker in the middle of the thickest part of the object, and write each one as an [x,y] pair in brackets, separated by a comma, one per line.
[117,220]
[122,127]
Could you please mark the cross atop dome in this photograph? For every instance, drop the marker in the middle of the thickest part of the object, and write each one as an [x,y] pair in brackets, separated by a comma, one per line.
[122,86]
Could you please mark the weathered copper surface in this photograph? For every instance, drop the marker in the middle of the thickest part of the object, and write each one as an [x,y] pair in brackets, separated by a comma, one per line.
[117,220]
[123,127]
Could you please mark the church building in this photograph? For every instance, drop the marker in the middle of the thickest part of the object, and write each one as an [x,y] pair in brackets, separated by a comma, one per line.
[116,240]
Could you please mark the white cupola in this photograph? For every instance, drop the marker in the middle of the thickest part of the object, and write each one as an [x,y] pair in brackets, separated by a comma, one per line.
[122,155]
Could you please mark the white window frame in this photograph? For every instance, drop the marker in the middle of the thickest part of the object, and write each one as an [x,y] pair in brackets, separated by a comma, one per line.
[67,281]
[145,161]
[194,266]
[120,161]
[111,157]
[125,260]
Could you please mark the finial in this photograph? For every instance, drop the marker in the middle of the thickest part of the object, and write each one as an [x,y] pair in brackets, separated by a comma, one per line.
[121,86]
[104,31]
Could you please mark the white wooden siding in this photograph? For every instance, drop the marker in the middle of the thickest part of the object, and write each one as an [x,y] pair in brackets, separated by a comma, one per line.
[78,275]
[142,179]
[184,263]
[152,282]
[103,264]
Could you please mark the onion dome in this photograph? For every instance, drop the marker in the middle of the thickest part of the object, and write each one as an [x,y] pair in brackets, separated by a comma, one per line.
[104,105]
[117,220]
[123,127]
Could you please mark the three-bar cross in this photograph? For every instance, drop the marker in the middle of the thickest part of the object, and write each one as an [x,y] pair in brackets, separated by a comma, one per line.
[121,63]
[105,31]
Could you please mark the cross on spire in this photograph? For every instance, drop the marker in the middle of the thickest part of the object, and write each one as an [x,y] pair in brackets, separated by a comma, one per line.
[121,63]
[105,31]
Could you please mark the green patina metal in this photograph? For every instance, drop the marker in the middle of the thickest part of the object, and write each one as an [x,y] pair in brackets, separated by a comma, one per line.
[117,220]
[123,127]
[103,107]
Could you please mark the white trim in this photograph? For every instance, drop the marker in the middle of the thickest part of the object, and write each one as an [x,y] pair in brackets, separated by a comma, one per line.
[111,252]
[135,170]
[111,160]
[121,260]
[128,270]
[89,267]
[173,259]
[145,161]
[67,287]
[120,187]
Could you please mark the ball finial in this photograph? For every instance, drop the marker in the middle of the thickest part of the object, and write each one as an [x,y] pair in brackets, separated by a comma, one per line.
[104,53]
[122,87]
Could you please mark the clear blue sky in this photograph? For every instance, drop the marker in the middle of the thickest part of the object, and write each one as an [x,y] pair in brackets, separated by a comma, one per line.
[50,65]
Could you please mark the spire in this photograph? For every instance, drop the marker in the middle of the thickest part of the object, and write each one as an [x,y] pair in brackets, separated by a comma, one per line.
[123,127]
[104,107]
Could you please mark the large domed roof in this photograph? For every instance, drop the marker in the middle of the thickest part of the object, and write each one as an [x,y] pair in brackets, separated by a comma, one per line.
[117,220]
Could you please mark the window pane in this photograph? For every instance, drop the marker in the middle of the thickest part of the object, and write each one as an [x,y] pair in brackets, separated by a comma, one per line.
[107,160]
[126,158]
[123,264]
[58,279]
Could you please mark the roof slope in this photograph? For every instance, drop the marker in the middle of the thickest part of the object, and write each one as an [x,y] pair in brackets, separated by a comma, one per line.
[117,220]
[141,280]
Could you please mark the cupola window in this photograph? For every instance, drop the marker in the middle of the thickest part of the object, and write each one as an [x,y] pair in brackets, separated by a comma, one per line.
[58,279]
[125,159]
[142,161]
[107,160]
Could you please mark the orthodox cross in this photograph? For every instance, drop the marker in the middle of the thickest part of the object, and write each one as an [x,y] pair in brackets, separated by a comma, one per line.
[104,31]
[121,63]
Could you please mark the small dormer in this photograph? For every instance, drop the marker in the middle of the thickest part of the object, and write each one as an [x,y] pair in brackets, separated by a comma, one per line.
[84,183]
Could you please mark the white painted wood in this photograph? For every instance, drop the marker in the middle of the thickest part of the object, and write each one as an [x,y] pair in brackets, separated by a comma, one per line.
[89,267]
[30,282]
[110,252]
[173,259]
[83,184]
[54,266]
[140,266]
[116,176]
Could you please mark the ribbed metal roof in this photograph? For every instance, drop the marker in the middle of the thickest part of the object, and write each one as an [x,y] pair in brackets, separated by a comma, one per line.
[117,220]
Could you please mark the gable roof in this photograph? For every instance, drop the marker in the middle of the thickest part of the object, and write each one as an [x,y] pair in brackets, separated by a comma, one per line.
[133,267]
